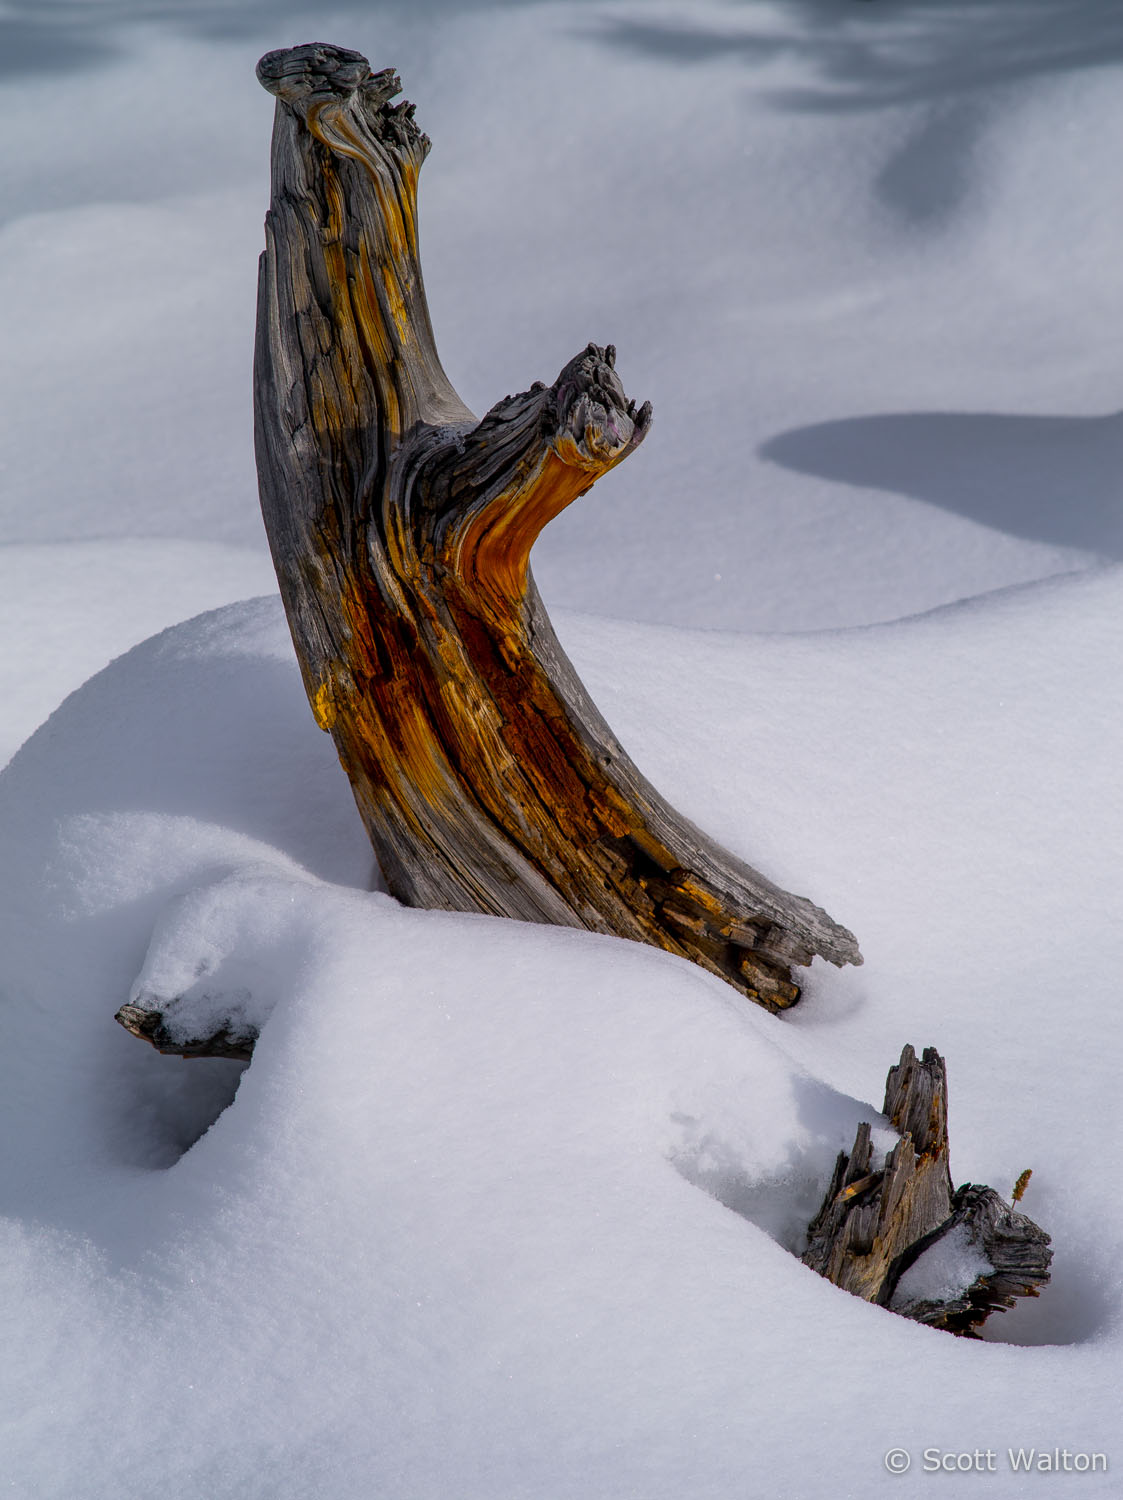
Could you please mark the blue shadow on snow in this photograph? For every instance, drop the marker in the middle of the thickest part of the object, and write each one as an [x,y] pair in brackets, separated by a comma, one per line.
[1057,480]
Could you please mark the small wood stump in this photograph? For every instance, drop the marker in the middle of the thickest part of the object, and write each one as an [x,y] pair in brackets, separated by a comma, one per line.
[875,1224]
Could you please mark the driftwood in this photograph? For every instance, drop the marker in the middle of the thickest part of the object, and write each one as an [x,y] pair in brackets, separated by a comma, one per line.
[875,1224]
[401,528]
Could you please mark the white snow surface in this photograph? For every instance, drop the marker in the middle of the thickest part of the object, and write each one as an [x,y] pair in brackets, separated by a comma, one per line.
[507,1211]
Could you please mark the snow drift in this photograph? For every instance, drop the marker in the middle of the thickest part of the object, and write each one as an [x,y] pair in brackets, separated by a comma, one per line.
[504,1209]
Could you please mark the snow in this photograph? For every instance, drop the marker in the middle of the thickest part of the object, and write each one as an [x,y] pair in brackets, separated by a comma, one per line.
[499,1210]
[68,608]
[944,1271]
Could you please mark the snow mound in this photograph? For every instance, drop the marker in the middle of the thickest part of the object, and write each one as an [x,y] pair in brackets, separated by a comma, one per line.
[77,605]
[464,1224]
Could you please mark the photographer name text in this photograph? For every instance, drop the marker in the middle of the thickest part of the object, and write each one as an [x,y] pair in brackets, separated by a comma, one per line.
[991,1460]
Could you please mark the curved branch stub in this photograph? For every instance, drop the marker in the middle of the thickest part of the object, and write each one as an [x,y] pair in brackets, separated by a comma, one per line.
[483,502]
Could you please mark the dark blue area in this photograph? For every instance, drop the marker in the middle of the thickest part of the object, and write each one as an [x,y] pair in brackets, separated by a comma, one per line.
[49,36]
[863,60]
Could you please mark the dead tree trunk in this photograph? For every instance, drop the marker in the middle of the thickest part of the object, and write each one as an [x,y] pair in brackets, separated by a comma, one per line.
[401,528]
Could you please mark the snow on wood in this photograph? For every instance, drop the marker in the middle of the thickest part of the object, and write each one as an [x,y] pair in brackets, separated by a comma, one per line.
[877,1223]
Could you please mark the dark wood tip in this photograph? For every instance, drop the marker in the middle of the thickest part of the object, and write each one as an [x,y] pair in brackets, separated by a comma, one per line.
[589,399]
[316,70]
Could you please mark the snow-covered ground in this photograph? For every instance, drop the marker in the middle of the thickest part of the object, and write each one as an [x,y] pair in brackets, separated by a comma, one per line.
[501,1211]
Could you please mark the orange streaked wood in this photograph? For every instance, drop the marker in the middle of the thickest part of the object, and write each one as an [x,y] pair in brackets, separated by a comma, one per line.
[402,530]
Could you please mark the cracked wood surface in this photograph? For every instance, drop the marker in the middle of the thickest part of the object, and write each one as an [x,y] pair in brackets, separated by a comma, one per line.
[876,1222]
[401,529]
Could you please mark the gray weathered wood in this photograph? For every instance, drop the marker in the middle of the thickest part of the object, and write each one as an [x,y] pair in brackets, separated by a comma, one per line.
[1016,1248]
[401,527]
[876,1222]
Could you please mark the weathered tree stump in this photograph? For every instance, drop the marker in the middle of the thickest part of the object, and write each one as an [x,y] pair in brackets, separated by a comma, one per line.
[401,528]
[875,1225]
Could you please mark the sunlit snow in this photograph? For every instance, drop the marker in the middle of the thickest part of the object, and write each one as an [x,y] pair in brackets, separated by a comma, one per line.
[504,1211]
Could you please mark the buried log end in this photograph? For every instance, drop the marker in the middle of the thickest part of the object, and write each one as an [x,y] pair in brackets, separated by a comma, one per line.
[151,1026]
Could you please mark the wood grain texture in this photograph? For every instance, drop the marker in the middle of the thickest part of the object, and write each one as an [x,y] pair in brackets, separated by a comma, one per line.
[877,1221]
[1017,1249]
[401,529]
